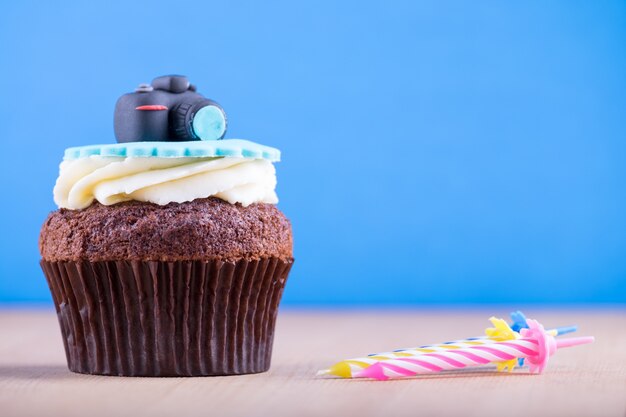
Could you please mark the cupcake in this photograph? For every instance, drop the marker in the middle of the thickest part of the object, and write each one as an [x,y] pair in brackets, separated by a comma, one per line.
[167,256]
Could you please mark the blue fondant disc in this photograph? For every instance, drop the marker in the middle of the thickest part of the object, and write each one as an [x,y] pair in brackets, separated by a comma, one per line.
[205,148]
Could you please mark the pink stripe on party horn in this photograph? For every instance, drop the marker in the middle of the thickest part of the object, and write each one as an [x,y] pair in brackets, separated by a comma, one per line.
[426,365]
[502,355]
[446,359]
[375,371]
[470,356]
[521,349]
[397,369]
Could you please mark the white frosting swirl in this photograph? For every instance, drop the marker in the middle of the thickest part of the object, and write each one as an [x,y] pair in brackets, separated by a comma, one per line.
[111,180]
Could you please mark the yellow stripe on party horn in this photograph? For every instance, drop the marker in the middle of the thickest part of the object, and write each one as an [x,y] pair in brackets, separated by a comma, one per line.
[345,369]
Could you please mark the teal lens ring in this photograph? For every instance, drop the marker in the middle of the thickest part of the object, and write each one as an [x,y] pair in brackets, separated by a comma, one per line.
[209,123]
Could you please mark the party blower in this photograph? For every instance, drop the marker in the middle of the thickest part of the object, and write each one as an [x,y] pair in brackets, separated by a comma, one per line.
[536,345]
[500,332]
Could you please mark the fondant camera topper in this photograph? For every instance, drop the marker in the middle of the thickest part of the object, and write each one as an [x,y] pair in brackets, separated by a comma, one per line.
[168,109]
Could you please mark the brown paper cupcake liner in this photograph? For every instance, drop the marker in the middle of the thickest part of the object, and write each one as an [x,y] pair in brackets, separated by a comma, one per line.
[184,318]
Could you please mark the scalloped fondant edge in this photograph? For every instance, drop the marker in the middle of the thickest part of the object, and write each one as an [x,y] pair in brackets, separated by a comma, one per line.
[226,148]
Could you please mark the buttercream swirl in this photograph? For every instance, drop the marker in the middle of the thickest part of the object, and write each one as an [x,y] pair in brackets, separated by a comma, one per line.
[163,180]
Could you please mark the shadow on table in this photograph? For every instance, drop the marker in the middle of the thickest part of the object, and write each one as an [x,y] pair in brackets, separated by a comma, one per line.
[45,372]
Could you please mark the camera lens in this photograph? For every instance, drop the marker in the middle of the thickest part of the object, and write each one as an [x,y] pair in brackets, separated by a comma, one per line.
[209,123]
[199,120]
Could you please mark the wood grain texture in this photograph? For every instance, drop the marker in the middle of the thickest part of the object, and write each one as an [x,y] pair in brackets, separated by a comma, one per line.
[584,381]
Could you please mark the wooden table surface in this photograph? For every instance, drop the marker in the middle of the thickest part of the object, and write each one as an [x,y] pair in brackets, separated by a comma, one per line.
[588,380]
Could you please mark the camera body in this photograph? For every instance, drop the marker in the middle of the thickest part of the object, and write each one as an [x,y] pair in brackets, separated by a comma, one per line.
[168,109]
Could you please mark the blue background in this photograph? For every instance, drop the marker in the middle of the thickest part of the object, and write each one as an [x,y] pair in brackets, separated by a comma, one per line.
[433,152]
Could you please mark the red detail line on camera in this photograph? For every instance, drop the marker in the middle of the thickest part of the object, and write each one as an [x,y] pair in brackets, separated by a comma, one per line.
[151,107]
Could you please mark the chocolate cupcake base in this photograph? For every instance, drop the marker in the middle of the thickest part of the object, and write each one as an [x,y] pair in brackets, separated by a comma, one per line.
[180,318]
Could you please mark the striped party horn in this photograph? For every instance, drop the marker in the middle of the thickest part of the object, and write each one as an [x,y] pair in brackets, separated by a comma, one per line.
[348,367]
[500,332]
[536,345]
